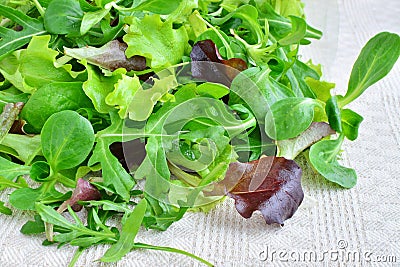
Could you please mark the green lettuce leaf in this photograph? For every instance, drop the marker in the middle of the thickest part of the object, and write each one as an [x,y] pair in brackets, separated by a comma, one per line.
[155,40]
[35,66]
[122,96]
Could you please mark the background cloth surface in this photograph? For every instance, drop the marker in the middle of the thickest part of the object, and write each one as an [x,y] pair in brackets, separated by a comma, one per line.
[365,219]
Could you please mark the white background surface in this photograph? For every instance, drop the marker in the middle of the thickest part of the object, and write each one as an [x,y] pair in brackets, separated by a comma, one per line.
[366,217]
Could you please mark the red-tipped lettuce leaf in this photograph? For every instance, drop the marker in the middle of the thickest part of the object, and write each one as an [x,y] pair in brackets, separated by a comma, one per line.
[271,185]
[111,56]
[224,71]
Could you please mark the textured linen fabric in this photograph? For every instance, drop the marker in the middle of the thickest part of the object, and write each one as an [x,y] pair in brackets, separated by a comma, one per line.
[365,219]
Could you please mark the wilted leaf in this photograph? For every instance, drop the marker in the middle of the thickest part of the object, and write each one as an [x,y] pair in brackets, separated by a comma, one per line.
[271,185]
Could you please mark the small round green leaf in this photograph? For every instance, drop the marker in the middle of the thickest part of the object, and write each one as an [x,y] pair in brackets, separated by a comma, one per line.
[323,156]
[289,117]
[67,139]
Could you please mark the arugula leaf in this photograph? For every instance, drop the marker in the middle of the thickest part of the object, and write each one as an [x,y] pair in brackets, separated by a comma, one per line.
[25,198]
[280,26]
[127,235]
[49,215]
[33,227]
[113,173]
[11,170]
[300,73]
[214,90]
[375,61]
[299,30]
[11,40]
[155,40]
[249,15]
[26,147]
[169,249]
[67,139]
[6,183]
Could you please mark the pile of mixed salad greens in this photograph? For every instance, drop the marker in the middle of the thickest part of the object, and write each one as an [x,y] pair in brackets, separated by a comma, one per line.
[140,110]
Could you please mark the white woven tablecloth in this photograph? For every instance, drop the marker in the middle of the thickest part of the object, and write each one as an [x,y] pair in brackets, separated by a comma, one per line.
[365,219]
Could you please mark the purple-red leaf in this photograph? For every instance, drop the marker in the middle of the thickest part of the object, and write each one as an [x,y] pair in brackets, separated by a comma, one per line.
[84,191]
[207,64]
[271,185]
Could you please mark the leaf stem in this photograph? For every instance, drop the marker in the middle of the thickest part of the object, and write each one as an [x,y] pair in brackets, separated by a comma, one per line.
[229,52]
[39,7]
[76,256]
[187,178]
[174,250]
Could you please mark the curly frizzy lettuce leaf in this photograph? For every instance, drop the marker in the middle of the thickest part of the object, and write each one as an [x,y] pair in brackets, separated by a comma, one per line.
[143,101]
[35,66]
[124,92]
[155,40]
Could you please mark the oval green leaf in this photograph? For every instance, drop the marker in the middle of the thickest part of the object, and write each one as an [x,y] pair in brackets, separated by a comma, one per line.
[290,117]
[323,156]
[67,139]
[375,61]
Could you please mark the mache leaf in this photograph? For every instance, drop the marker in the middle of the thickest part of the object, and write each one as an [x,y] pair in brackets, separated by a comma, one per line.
[67,139]
[52,98]
[63,17]
[324,158]
[375,61]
